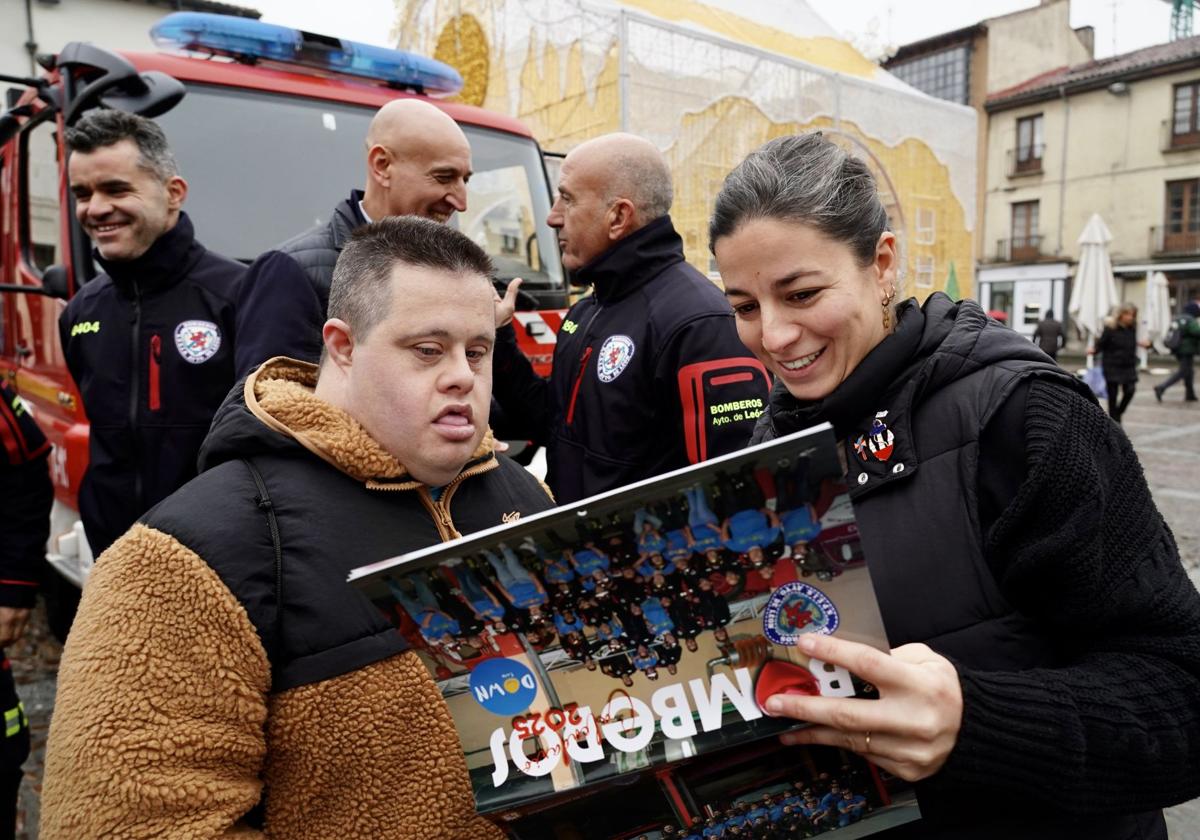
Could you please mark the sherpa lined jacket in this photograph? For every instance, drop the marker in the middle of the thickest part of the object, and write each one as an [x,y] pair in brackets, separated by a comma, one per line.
[207,691]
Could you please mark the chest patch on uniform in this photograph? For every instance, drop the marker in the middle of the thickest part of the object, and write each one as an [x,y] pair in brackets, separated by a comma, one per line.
[197,341]
[615,354]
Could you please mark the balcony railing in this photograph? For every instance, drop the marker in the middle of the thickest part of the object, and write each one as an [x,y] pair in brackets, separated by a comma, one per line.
[1019,248]
[1026,160]
[1170,141]
[1164,241]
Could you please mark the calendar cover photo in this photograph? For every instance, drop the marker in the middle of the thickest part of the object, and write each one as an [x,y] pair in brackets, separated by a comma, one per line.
[639,630]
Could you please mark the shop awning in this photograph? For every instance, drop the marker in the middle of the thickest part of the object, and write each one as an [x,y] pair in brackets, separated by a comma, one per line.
[1035,271]
[1142,268]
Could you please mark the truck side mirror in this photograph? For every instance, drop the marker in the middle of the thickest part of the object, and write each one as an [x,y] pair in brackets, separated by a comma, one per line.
[54,282]
[151,96]
[110,80]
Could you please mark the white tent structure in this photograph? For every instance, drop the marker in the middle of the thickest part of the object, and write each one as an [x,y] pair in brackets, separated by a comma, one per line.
[708,81]
[1094,293]
[1158,309]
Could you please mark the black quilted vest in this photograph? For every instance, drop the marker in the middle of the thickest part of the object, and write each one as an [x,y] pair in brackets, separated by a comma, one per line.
[316,250]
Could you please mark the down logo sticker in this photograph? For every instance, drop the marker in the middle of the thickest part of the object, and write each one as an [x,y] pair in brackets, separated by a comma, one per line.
[503,686]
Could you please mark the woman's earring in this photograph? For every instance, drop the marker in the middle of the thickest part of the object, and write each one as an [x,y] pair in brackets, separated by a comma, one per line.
[887,307]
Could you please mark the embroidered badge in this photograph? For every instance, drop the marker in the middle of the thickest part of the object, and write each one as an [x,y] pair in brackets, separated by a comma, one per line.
[197,341]
[796,608]
[880,438]
[503,686]
[615,354]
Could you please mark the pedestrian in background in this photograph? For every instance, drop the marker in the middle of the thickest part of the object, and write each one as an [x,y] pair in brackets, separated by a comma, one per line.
[1046,637]
[1118,345]
[27,495]
[1185,354]
[1049,335]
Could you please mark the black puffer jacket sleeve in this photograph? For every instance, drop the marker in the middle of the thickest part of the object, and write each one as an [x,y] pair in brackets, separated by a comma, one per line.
[1082,548]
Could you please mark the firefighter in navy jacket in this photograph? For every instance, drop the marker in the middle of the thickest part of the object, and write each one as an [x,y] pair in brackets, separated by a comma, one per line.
[149,342]
[649,374]
[28,494]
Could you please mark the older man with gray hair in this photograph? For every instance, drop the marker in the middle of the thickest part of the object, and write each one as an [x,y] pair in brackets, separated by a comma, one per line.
[649,374]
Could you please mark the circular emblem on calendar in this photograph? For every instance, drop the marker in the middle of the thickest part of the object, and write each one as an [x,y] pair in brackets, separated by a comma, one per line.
[197,341]
[796,608]
[615,354]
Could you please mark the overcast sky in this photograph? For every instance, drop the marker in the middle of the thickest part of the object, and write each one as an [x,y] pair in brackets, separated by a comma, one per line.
[1138,23]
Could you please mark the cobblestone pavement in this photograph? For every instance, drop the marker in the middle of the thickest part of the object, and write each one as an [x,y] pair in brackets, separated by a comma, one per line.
[1166,436]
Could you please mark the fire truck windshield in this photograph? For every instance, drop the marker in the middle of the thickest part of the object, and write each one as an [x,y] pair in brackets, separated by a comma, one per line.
[262,168]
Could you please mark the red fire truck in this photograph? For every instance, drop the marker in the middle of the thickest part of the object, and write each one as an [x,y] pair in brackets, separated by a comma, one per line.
[267,124]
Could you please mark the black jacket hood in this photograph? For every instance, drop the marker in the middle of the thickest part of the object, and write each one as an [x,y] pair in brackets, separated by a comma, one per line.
[237,433]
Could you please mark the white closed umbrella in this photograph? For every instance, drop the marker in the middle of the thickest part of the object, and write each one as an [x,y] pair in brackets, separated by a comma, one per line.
[1095,291]
[1158,309]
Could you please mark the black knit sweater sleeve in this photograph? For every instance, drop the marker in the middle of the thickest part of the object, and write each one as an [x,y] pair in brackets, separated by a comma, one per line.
[1082,548]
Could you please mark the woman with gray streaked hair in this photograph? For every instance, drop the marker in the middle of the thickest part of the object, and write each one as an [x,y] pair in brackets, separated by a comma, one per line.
[1046,637]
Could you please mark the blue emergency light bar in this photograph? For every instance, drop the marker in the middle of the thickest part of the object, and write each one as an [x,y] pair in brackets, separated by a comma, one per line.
[243,39]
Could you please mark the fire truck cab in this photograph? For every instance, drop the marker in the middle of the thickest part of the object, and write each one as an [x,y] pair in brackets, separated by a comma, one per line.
[267,124]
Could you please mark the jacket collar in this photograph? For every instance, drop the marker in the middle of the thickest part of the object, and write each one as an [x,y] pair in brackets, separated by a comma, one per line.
[933,346]
[875,376]
[871,410]
[347,217]
[632,262]
[163,265]
[280,395]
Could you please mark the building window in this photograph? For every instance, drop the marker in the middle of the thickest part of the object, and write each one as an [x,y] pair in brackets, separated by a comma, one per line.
[1181,228]
[1029,144]
[1185,122]
[926,229]
[924,272]
[944,74]
[1025,240]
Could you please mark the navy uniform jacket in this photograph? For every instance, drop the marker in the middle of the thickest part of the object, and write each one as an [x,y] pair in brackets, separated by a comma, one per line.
[649,375]
[283,300]
[150,346]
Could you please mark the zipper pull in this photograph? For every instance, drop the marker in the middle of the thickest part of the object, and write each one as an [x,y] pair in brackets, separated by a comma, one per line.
[154,393]
[587,354]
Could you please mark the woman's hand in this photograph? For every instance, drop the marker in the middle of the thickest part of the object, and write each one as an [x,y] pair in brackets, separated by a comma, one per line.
[909,731]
